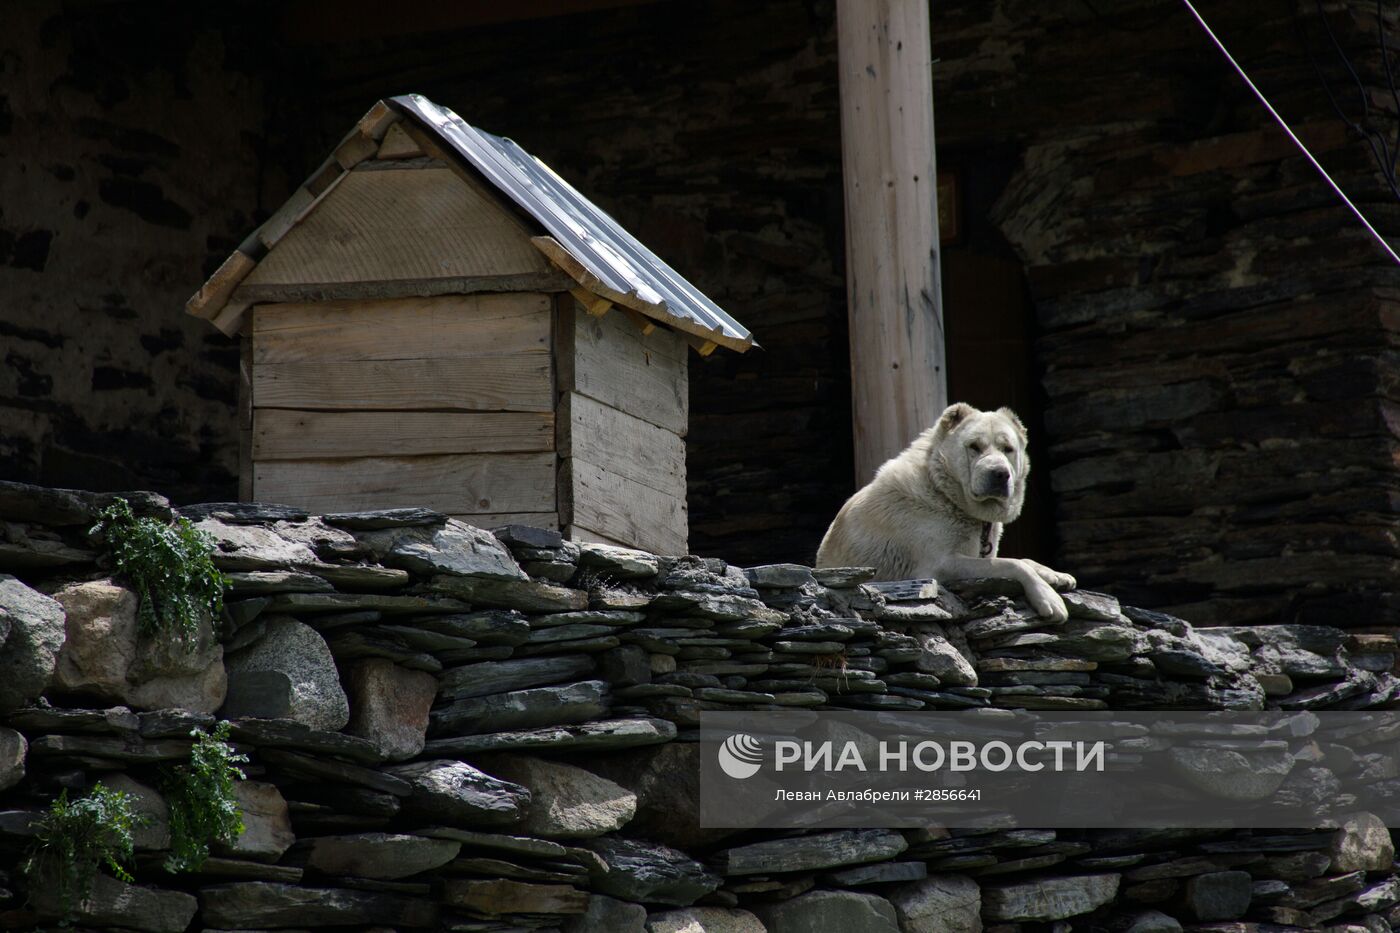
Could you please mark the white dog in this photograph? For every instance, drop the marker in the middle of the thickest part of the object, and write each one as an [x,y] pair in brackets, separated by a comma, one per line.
[937,509]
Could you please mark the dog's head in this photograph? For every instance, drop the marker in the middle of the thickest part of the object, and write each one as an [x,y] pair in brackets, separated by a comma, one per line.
[978,460]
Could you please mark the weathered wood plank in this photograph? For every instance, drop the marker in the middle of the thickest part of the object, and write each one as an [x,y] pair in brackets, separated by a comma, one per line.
[609,360]
[245,419]
[398,145]
[214,294]
[895,306]
[284,434]
[548,281]
[390,225]
[579,533]
[633,448]
[623,510]
[455,484]
[452,326]
[505,382]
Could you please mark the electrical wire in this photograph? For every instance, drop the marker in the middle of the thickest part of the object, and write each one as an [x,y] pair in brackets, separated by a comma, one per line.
[1283,124]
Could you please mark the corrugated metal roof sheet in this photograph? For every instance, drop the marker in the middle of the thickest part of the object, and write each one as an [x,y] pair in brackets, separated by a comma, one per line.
[599,244]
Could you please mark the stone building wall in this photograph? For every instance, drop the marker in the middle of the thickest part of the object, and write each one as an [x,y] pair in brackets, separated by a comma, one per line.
[1216,328]
[127,151]
[455,729]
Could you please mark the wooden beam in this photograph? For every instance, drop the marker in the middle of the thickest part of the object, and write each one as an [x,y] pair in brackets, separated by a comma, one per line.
[592,303]
[895,305]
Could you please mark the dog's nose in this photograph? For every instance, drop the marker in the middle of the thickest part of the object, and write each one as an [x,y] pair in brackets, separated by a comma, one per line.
[999,477]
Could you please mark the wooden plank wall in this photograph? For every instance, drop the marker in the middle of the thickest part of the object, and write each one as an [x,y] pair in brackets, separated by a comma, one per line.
[620,431]
[445,402]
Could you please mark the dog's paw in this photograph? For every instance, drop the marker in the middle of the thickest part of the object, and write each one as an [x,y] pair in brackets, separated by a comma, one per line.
[1047,603]
[1060,581]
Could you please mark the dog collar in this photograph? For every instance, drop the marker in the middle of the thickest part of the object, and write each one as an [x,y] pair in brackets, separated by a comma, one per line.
[986,550]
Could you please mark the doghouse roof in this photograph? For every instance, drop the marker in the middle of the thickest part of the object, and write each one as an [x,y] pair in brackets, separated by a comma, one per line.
[577,237]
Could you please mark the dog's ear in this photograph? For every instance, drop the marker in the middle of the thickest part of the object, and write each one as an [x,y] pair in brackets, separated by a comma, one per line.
[1010,415]
[953,416]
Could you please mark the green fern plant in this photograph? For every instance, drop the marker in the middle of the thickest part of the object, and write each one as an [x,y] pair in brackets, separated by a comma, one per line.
[170,567]
[203,804]
[77,837]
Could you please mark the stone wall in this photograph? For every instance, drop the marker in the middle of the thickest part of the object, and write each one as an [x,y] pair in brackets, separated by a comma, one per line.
[128,141]
[455,729]
[1217,329]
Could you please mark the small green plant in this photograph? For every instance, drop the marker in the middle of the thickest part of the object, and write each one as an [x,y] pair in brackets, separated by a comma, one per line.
[203,806]
[76,837]
[170,566]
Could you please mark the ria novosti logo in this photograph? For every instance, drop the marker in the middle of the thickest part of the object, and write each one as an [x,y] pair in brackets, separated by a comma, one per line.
[740,756]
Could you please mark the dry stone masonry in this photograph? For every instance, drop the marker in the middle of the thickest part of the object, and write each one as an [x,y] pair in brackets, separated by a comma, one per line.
[452,728]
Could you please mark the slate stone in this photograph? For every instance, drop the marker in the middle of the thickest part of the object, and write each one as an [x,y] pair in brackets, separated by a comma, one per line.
[830,912]
[262,582]
[217,867]
[287,674]
[454,792]
[376,519]
[113,904]
[291,734]
[29,653]
[127,749]
[501,896]
[526,595]
[786,576]
[302,603]
[941,904]
[44,719]
[876,873]
[1154,921]
[527,536]
[843,577]
[261,904]
[650,873]
[811,852]
[243,513]
[1046,899]
[1086,604]
[148,803]
[489,627]
[498,842]
[1230,774]
[454,548]
[625,666]
[617,562]
[522,709]
[338,771]
[253,547]
[497,677]
[387,856]
[348,646]
[1221,895]
[361,576]
[602,735]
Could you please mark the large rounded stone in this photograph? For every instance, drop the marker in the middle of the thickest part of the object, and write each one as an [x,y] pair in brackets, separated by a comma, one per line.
[1219,895]
[666,781]
[1229,774]
[389,706]
[830,912]
[267,825]
[1362,843]
[30,651]
[1048,898]
[941,904]
[287,674]
[566,802]
[649,873]
[704,920]
[13,749]
[607,915]
[106,656]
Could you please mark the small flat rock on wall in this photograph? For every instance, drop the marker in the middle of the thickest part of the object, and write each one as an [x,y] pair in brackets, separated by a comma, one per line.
[455,793]
[607,915]
[261,904]
[114,904]
[455,548]
[267,826]
[30,649]
[1048,899]
[650,873]
[287,674]
[942,904]
[830,912]
[383,856]
[13,750]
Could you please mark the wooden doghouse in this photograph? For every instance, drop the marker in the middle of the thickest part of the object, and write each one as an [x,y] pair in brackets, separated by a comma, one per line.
[437,319]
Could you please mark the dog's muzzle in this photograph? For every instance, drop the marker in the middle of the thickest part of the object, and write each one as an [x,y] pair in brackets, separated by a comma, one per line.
[992,483]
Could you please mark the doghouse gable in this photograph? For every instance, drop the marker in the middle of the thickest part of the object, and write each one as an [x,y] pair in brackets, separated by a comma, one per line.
[437,319]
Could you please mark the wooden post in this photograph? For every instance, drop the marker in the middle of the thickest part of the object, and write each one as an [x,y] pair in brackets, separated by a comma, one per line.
[894,294]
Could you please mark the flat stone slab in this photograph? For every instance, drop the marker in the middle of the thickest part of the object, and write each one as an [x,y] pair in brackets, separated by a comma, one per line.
[289,733]
[1045,899]
[525,595]
[262,905]
[454,791]
[649,872]
[384,518]
[296,603]
[386,856]
[331,770]
[603,735]
[812,852]
[522,709]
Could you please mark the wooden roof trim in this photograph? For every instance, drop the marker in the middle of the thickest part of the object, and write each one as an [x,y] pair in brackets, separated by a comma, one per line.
[657,311]
[215,301]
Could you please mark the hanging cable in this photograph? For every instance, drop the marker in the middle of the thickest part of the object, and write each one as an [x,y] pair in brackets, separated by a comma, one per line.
[1289,130]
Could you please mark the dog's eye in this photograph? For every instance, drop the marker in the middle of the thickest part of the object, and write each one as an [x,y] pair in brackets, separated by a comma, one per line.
[976,447]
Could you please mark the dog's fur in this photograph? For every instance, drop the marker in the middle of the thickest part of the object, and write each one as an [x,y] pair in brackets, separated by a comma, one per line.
[937,509]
